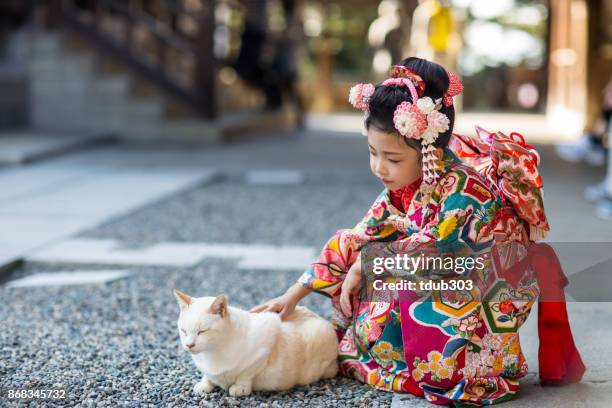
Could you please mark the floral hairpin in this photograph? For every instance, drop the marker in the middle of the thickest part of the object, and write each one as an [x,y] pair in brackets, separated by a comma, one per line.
[359,97]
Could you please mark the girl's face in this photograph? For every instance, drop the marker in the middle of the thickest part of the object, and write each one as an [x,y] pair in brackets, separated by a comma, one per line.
[391,160]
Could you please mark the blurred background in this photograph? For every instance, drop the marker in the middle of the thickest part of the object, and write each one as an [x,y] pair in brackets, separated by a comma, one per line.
[208,146]
[206,70]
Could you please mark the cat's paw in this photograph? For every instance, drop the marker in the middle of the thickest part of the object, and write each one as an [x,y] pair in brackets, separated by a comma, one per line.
[203,387]
[239,390]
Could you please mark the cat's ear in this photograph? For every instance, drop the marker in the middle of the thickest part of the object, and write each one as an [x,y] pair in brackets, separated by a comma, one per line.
[219,305]
[183,300]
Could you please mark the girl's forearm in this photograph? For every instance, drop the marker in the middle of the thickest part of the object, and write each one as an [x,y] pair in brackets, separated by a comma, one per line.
[298,291]
[356,266]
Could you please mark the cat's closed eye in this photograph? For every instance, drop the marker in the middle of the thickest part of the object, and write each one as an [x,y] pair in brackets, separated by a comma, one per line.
[183,331]
[202,331]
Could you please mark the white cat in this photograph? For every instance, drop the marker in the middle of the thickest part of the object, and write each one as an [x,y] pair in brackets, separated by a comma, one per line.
[241,351]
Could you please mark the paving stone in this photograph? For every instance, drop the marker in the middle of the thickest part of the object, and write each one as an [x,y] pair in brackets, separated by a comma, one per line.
[47,206]
[67,278]
[274,177]
[26,146]
[180,254]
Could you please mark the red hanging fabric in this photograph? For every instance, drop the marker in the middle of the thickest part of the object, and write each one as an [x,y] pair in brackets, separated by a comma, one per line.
[559,360]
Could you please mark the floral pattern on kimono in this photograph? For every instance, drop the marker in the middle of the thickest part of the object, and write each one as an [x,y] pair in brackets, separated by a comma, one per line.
[465,354]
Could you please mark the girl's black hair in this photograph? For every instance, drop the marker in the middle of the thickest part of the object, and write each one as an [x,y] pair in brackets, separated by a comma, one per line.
[385,99]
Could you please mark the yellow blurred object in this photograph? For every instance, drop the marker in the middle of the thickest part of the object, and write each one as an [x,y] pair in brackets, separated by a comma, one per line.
[440,28]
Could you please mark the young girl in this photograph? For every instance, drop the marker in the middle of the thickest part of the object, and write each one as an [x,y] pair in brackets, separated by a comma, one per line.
[457,351]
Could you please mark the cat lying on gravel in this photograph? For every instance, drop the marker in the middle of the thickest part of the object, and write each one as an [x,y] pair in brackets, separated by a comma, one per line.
[241,351]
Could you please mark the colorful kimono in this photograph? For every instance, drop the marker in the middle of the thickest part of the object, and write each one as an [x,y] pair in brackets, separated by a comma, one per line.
[464,349]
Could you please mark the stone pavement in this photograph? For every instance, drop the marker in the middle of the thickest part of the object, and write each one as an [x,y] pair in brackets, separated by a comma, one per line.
[44,202]
[163,217]
[21,146]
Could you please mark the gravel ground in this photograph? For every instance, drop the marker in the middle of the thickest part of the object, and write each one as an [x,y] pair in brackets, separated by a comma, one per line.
[117,343]
[305,214]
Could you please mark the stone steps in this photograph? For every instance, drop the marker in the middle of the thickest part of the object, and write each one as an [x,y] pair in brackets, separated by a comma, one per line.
[72,89]
[20,147]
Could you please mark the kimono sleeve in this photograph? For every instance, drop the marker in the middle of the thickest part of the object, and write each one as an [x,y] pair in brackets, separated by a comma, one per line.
[327,273]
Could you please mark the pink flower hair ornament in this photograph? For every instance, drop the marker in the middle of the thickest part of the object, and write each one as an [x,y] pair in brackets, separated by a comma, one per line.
[359,97]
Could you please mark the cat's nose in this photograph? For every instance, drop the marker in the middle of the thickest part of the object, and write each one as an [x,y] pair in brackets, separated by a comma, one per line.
[191,345]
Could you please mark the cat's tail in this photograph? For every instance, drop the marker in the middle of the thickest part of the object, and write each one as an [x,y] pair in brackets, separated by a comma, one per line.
[331,370]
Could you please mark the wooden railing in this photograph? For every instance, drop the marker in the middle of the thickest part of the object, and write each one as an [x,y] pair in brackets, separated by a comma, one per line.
[168,42]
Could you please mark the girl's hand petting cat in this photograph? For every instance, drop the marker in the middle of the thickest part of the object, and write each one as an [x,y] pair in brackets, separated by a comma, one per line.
[285,304]
[350,288]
